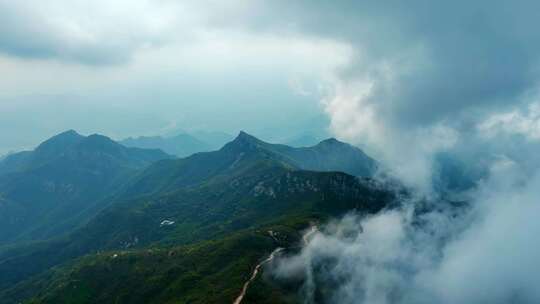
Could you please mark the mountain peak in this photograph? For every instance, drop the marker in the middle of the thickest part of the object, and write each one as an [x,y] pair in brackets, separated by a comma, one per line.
[244,141]
[331,142]
[96,136]
[69,132]
[245,135]
[60,141]
[101,143]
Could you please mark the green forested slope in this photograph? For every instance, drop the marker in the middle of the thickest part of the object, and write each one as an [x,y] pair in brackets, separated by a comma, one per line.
[187,231]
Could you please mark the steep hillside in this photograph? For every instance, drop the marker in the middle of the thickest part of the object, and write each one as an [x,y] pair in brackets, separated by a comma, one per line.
[197,208]
[264,200]
[329,155]
[207,272]
[264,193]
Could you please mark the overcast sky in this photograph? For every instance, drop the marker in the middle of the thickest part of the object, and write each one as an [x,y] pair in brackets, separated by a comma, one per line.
[404,80]
[140,67]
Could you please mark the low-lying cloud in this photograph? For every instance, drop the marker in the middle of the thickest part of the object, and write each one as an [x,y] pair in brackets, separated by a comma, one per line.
[411,81]
[423,74]
[485,253]
[429,81]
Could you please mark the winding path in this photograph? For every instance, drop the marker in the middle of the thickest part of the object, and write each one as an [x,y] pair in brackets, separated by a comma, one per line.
[254,275]
[308,234]
[305,239]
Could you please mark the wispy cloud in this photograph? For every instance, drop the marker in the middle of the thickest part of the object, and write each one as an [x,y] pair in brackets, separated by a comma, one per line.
[485,254]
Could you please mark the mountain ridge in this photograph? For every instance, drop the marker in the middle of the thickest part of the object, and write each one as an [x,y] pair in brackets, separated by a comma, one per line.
[64,175]
[180,145]
[248,186]
[330,155]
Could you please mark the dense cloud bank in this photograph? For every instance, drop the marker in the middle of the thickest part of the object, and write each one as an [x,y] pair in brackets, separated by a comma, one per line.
[432,89]
[433,85]
[425,76]
[418,77]
[410,79]
[486,253]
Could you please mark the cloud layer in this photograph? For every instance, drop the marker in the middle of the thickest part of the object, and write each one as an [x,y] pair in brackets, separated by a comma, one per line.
[430,79]
[424,74]
[138,66]
[96,32]
[486,254]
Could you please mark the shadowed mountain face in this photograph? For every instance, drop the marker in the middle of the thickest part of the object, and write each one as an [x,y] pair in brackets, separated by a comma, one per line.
[208,201]
[49,190]
[180,145]
[240,154]
[210,235]
[328,155]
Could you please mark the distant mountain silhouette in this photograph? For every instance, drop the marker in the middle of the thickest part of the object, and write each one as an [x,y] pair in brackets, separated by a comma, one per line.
[328,155]
[214,139]
[247,151]
[180,145]
[305,140]
[65,176]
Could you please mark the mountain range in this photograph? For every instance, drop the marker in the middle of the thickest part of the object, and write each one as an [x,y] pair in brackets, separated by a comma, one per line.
[46,190]
[182,144]
[155,229]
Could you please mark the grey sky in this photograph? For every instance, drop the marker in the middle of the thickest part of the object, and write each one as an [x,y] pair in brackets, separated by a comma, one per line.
[387,73]
[404,79]
[423,76]
[426,77]
[140,67]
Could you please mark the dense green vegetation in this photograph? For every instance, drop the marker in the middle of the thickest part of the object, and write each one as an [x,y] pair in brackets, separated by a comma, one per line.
[207,272]
[191,230]
[63,182]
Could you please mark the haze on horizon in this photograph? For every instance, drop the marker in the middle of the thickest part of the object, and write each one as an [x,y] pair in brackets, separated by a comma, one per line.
[411,82]
[379,75]
[131,68]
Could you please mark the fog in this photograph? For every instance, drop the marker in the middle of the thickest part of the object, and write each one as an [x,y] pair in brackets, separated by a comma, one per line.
[133,68]
[406,81]
[428,78]
[484,253]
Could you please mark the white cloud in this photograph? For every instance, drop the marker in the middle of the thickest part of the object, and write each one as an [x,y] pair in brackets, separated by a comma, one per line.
[515,122]
[486,255]
[91,32]
[407,151]
[161,60]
